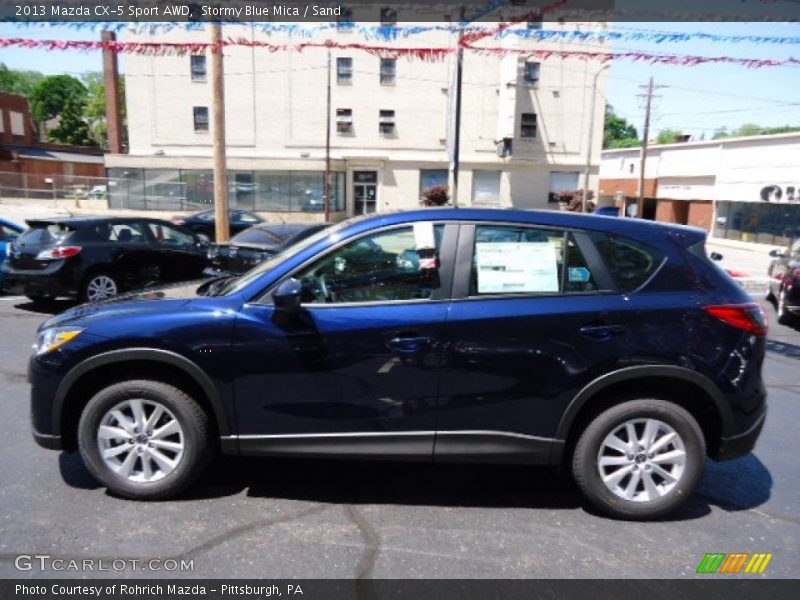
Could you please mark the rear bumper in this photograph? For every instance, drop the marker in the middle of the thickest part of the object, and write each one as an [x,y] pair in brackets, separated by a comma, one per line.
[51,281]
[742,443]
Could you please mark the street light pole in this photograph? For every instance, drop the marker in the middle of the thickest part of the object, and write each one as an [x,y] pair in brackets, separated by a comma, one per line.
[591,139]
[328,145]
[455,158]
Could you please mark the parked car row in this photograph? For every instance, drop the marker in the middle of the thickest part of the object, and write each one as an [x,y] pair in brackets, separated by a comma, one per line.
[94,258]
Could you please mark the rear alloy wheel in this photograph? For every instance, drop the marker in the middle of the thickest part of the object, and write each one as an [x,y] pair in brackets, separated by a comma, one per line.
[99,286]
[639,460]
[144,439]
[784,316]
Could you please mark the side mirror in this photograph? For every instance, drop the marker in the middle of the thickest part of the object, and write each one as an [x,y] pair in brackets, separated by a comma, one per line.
[288,295]
[777,253]
[203,239]
[715,256]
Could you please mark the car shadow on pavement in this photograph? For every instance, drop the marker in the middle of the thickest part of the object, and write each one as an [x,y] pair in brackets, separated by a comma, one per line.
[738,485]
[784,349]
[53,307]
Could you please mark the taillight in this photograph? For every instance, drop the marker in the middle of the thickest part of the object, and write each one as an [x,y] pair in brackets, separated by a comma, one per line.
[747,317]
[58,253]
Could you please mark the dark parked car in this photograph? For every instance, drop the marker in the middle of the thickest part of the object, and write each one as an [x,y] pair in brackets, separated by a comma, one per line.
[784,283]
[8,233]
[94,258]
[607,211]
[613,347]
[205,222]
[254,245]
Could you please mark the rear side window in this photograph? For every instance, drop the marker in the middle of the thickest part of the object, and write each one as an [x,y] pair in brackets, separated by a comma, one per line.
[629,262]
[527,260]
[46,234]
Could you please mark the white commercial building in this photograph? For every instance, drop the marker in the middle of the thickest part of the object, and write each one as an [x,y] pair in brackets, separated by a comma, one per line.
[524,128]
[744,188]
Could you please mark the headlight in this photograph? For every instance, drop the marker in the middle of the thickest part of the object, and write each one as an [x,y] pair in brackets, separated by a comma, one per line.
[54,337]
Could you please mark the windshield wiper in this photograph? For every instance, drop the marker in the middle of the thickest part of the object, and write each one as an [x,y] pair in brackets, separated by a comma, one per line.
[216,286]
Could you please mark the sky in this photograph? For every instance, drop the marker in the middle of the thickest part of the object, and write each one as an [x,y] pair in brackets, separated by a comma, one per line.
[697,100]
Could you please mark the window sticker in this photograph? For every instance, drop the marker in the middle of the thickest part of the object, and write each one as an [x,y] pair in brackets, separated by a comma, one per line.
[579,274]
[505,267]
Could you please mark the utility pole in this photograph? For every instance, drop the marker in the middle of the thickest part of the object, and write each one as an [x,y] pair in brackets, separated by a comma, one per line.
[591,138]
[645,142]
[222,218]
[328,146]
[456,132]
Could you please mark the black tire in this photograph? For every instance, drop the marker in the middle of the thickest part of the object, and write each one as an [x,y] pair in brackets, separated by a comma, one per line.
[93,276]
[193,420]
[586,470]
[40,298]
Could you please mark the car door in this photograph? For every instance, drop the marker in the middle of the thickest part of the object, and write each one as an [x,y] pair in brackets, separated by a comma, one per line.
[130,257]
[356,370]
[181,255]
[782,267]
[534,318]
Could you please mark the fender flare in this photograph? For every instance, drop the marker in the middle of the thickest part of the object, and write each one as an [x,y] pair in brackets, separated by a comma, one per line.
[638,372]
[132,354]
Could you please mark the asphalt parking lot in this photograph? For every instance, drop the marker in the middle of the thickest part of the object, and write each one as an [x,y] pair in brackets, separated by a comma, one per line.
[302,519]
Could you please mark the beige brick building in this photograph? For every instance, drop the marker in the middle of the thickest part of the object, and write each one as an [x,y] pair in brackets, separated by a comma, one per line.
[389,124]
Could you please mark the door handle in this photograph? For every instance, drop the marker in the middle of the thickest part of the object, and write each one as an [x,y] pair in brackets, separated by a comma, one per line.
[408,345]
[601,331]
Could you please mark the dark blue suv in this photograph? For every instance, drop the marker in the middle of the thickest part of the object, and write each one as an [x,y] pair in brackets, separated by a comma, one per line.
[613,347]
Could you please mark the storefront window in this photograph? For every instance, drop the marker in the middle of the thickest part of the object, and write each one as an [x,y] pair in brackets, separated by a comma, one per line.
[199,186]
[765,223]
[164,190]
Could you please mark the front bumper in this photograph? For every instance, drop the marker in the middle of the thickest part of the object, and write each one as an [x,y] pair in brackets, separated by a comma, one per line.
[741,444]
[46,440]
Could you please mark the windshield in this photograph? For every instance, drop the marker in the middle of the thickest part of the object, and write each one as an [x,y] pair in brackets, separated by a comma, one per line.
[243,281]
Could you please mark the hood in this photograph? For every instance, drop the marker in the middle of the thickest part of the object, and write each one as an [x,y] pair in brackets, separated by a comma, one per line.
[163,298]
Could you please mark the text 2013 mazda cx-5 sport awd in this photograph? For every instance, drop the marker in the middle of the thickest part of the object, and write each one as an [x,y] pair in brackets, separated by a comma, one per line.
[613,347]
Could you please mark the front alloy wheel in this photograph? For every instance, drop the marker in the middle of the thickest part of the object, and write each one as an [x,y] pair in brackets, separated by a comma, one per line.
[640,459]
[100,287]
[143,439]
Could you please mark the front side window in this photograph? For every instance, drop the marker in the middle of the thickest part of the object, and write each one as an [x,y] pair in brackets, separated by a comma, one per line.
[401,264]
[527,260]
[169,236]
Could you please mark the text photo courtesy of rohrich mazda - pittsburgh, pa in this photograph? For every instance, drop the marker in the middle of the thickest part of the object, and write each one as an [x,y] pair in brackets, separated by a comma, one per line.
[379,299]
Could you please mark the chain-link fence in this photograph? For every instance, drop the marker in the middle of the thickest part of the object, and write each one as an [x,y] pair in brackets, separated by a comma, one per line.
[55,187]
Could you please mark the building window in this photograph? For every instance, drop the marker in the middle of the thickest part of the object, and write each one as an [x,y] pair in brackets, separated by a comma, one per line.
[536,23]
[630,168]
[562,181]
[429,178]
[17,122]
[198,67]
[201,118]
[344,22]
[344,70]
[388,71]
[2,124]
[532,69]
[386,122]
[388,17]
[344,120]
[528,125]
[486,188]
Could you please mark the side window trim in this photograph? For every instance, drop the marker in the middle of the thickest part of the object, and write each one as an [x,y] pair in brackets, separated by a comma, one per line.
[447,253]
[605,282]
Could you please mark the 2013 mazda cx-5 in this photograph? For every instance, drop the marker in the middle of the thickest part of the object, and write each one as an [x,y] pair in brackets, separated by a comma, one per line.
[613,347]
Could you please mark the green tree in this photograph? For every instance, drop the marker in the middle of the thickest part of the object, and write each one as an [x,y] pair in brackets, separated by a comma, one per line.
[72,127]
[668,136]
[749,129]
[720,133]
[13,81]
[95,106]
[618,133]
[50,96]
